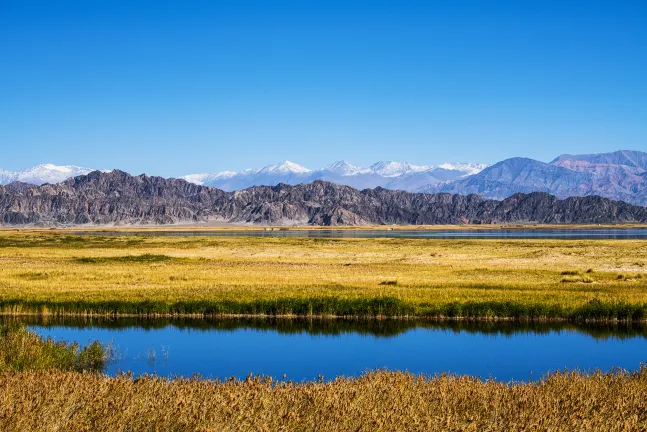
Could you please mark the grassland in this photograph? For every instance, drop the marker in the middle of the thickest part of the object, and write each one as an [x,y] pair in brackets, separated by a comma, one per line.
[52,272]
[377,401]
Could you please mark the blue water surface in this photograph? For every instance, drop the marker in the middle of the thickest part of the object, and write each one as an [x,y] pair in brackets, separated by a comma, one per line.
[305,355]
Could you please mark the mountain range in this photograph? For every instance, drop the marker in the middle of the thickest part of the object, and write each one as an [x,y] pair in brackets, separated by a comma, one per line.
[386,174]
[117,198]
[620,175]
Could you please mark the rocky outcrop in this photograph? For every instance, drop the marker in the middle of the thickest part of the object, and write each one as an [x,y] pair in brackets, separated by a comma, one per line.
[119,198]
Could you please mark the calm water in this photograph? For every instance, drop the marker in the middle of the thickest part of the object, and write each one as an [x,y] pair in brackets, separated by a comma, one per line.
[303,350]
[566,234]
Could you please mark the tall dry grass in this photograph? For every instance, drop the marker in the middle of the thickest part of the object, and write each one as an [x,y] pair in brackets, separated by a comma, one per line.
[377,401]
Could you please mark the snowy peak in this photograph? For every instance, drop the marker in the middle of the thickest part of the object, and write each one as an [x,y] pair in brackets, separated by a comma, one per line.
[394,169]
[204,178]
[231,180]
[285,167]
[344,168]
[6,177]
[50,173]
[467,168]
[44,173]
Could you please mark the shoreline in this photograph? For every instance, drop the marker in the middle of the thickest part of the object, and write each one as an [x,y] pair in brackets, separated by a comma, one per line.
[329,317]
[235,227]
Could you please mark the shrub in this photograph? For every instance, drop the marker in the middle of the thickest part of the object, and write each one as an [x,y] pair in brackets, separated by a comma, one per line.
[570,279]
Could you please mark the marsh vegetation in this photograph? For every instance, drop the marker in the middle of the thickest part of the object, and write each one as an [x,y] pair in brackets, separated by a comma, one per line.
[528,279]
[377,401]
[22,349]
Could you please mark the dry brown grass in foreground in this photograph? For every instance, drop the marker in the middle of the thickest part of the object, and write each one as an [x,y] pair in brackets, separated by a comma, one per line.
[378,401]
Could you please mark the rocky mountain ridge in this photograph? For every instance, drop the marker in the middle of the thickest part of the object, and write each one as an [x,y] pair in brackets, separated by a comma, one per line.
[117,198]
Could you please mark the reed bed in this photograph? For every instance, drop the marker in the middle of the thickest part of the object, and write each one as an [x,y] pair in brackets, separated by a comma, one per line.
[22,349]
[376,401]
[53,273]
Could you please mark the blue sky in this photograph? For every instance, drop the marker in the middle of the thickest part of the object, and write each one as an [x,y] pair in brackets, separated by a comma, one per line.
[176,87]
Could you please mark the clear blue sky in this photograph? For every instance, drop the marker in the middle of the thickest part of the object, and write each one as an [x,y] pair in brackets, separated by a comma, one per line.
[176,87]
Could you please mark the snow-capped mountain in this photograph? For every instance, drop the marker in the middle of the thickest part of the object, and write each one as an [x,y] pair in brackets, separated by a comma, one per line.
[285,167]
[45,173]
[395,169]
[344,168]
[467,168]
[6,177]
[206,178]
[270,175]
[387,174]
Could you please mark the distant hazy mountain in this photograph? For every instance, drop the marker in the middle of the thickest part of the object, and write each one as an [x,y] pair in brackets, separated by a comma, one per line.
[119,198]
[625,158]
[520,175]
[387,174]
[620,175]
[46,173]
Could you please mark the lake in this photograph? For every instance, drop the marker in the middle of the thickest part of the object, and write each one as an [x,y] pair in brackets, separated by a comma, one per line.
[306,349]
[541,233]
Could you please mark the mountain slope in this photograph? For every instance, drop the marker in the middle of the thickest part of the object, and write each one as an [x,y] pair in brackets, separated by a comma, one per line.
[628,158]
[618,175]
[119,198]
[514,175]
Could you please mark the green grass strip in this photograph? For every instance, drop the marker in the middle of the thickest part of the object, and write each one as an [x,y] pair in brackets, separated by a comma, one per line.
[383,306]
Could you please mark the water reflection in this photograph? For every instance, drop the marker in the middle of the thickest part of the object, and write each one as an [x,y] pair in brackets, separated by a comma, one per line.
[336,327]
[303,349]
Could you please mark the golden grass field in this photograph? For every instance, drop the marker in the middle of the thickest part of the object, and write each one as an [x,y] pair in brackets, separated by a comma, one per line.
[377,401]
[50,271]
